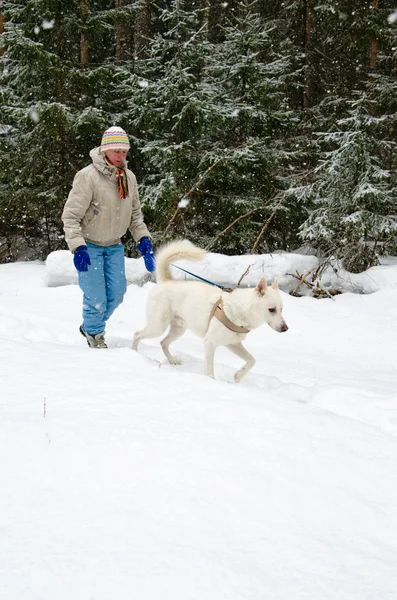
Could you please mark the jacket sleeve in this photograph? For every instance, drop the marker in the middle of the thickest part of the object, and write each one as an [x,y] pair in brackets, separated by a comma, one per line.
[75,208]
[137,226]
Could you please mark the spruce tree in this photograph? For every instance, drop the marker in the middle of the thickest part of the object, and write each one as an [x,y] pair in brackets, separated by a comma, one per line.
[173,114]
[353,214]
[351,199]
[61,87]
[235,110]
[251,69]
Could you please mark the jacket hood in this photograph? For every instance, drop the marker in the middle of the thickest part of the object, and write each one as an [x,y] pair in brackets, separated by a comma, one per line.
[101,165]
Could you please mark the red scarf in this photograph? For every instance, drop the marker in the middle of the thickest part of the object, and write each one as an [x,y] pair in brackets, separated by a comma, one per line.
[121,178]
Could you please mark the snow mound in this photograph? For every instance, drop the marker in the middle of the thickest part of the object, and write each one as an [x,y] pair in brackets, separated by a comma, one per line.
[228,271]
[60,270]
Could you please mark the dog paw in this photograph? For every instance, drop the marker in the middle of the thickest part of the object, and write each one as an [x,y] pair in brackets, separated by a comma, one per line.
[238,376]
[175,361]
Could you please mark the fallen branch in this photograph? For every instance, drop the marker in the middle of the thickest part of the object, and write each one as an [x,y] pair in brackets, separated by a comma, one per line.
[314,287]
[302,280]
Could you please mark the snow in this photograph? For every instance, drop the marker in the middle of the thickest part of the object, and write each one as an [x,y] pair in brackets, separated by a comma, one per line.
[392,18]
[123,477]
[46,24]
[228,270]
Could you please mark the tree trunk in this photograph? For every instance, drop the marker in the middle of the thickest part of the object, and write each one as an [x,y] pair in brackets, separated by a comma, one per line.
[124,36]
[214,18]
[143,28]
[374,43]
[373,56]
[2,21]
[307,43]
[84,7]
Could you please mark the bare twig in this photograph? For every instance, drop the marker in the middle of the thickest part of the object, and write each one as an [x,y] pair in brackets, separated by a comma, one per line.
[266,225]
[243,275]
[170,223]
[200,179]
[247,214]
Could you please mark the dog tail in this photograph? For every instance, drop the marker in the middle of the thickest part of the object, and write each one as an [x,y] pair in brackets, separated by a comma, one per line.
[179,250]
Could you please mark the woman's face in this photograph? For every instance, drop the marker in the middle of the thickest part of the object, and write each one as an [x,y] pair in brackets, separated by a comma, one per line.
[116,157]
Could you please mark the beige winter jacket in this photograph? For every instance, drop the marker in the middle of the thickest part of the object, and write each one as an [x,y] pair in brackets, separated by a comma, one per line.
[94,211]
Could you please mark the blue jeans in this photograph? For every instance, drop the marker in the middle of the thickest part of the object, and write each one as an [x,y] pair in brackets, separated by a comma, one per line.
[103,285]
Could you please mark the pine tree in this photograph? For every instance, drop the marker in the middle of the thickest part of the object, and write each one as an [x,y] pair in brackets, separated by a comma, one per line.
[209,121]
[172,115]
[353,212]
[244,112]
[251,68]
[61,87]
[353,190]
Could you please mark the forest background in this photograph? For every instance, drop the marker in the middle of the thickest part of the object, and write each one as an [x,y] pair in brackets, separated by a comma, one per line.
[255,125]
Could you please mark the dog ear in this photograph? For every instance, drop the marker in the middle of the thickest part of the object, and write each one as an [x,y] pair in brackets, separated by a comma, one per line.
[261,287]
[275,284]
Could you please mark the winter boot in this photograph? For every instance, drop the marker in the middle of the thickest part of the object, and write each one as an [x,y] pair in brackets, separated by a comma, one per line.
[94,341]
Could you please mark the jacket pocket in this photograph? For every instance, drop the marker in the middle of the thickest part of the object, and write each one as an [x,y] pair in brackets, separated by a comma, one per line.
[92,212]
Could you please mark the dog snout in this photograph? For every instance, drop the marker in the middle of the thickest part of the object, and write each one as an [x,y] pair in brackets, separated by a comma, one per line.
[283,327]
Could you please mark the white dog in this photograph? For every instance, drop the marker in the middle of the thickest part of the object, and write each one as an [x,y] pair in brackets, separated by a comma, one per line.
[219,317]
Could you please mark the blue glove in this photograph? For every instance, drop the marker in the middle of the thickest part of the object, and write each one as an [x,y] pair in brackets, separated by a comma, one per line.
[81,258]
[145,247]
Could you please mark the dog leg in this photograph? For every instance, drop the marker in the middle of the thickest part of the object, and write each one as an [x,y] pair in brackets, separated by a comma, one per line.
[241,352]
[177,329]
[152,330]
[136,340]
[209,358]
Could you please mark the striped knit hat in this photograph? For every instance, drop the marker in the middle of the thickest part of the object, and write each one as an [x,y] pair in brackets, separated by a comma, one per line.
[115,138]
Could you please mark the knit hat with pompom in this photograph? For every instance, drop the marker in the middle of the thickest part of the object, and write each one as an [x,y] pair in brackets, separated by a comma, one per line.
[115,138]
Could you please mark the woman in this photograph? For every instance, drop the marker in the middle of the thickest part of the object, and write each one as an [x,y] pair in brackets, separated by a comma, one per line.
[103,203]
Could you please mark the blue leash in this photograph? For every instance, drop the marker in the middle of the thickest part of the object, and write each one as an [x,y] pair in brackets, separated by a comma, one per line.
[202,279]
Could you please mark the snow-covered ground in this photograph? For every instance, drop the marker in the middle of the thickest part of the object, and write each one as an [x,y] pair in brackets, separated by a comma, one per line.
[123,477]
